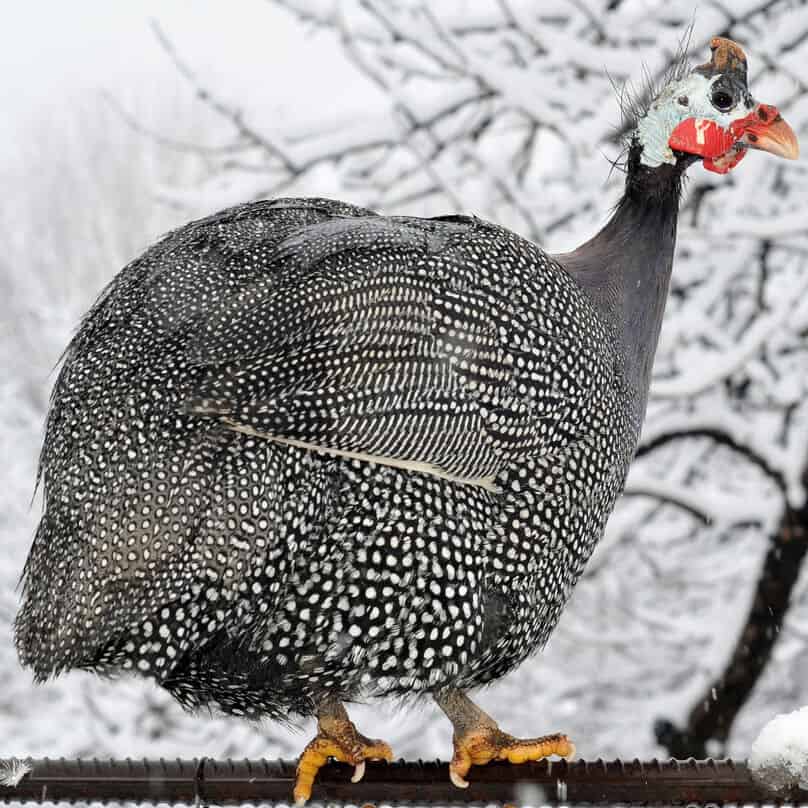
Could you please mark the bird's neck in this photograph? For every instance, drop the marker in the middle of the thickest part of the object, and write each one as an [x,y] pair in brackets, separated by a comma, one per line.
[625,269]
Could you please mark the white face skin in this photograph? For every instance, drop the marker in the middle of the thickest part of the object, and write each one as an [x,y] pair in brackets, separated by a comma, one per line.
[690,97]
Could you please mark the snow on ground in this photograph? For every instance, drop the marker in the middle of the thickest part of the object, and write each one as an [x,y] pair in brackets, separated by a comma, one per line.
[779,757]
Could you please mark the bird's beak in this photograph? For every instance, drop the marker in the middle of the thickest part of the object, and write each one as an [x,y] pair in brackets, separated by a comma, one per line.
[766,130]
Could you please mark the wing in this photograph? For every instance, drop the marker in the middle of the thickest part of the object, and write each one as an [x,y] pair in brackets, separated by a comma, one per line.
[395,340]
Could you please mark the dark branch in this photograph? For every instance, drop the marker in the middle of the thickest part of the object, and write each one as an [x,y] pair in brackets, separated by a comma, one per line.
[669,499]
[712,717]
[723,438]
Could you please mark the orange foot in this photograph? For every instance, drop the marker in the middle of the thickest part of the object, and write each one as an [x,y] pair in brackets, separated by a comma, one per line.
[337,738]
[479,740]
[484,744]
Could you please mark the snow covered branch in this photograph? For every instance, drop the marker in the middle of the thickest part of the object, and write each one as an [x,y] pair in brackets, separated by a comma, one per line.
[761,453]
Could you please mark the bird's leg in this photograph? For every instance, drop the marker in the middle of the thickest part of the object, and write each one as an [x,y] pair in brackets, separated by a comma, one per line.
[337,738]
[478,739]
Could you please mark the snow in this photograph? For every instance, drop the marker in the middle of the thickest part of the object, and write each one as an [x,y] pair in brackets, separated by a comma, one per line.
[12,772]
[695,380]
[779,757]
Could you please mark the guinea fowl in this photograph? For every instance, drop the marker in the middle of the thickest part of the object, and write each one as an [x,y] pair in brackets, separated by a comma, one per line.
[300,454]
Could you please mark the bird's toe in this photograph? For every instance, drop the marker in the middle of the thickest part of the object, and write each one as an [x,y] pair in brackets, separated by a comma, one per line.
[343,743]
[483,744]
[527,749]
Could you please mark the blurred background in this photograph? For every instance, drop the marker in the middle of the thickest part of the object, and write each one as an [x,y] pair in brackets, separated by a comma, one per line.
[121,120]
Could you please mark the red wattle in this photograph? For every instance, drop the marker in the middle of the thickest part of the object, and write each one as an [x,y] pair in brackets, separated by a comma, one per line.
[725,163]
[702,137]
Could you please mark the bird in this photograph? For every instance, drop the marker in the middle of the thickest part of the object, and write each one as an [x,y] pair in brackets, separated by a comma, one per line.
[299,454]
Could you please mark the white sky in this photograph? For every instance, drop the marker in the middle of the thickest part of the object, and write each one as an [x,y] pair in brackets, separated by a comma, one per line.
[250,50]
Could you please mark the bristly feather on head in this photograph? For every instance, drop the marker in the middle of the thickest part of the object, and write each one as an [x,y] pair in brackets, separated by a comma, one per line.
[634,101]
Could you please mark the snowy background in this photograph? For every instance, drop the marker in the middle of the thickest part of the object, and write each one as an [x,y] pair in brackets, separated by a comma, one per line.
[122,120]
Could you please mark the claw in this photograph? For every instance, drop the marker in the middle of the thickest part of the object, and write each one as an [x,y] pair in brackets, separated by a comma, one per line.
[457,779]
[358,772]
[482,745]
[338,739]
[477,739]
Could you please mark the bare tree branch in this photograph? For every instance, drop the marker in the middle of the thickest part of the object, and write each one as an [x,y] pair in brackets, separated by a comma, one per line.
[722,437]
[234,116]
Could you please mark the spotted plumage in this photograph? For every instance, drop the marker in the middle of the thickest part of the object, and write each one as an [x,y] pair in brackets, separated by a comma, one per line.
[186,538]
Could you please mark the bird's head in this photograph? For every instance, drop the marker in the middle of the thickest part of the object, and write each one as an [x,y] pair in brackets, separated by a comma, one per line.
[709,114]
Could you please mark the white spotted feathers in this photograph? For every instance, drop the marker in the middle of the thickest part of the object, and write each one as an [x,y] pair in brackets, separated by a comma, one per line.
[298,448]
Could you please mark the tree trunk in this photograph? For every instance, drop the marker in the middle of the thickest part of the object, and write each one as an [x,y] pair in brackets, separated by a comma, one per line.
[712,717]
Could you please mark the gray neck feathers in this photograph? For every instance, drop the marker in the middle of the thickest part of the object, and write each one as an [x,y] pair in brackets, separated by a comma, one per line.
[625,270]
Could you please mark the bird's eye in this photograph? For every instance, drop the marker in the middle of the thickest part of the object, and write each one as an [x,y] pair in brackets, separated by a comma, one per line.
[723,100]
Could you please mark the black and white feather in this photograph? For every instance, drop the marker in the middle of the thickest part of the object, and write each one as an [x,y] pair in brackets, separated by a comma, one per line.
[298,448]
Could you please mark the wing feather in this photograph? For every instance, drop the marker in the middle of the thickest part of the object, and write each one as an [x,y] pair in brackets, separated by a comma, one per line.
[369,338]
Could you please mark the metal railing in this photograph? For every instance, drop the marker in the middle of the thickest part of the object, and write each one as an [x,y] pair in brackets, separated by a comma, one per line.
[204,781]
